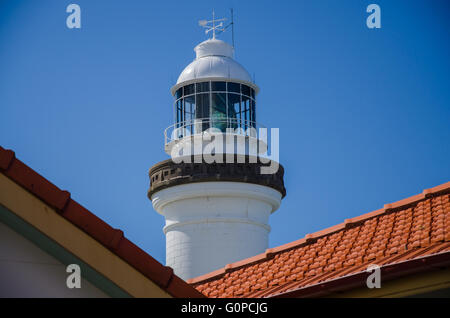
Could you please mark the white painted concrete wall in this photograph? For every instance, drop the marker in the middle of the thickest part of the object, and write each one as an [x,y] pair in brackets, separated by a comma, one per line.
[211,224]
[28,271]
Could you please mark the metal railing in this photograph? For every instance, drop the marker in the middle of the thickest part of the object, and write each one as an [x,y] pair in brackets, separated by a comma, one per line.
[199,126]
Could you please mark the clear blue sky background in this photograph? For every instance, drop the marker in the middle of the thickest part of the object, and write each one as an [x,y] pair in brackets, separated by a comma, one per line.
[364,115]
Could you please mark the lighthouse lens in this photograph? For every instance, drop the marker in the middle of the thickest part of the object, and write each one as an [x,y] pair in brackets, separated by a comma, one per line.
[219,111]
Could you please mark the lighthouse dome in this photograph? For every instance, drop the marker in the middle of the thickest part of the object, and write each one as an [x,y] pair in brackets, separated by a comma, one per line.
[214,60]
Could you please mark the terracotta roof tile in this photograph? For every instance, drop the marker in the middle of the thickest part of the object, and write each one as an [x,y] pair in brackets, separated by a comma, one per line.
[111,238]
[402,232]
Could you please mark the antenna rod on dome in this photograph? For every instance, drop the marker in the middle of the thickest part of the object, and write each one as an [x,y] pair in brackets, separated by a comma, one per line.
[232,27]
[214,27]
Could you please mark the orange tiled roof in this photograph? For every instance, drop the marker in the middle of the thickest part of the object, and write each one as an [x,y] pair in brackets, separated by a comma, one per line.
[402,237]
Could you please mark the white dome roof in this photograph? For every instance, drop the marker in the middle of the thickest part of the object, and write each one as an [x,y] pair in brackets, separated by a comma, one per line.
[214,59]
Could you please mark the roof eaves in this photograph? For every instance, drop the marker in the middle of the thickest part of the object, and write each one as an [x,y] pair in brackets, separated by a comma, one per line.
[111,238]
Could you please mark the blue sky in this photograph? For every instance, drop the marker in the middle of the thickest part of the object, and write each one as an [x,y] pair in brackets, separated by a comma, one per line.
[364,115]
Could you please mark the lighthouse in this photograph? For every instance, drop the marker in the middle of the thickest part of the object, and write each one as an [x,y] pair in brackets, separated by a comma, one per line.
[219,186]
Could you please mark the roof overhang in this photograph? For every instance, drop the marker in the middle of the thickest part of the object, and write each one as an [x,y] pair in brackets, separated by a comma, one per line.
[52,212]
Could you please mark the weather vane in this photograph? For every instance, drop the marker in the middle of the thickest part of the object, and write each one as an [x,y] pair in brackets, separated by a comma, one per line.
[213,25]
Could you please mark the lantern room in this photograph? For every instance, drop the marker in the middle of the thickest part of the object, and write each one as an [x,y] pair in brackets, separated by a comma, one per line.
[214,91]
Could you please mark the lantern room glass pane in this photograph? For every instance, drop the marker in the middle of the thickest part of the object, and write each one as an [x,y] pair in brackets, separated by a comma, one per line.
[179,93]
[234,87]
[179,109]
[202,87]
[189,109]
[245,111]
[234,102]
[202,112]
[189,89]
[202,109]
[253,113]
[245,90]
[218,86]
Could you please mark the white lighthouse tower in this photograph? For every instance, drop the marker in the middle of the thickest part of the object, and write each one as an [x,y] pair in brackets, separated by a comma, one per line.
[214,193]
